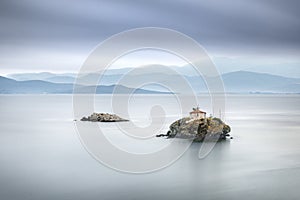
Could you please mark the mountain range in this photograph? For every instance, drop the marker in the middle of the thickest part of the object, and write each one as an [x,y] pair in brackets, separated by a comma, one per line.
[234,82]
[10,86]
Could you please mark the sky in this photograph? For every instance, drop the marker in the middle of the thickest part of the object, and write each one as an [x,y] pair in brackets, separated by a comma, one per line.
[58,35]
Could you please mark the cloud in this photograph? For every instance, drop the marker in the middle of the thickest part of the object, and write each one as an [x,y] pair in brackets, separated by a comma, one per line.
[224,27]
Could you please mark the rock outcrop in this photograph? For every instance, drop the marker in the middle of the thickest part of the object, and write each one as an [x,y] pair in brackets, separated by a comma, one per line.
[103,117]
[197,129]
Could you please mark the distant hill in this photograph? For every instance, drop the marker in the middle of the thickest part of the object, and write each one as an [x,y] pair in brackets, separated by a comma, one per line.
[243,81]
[10,86]
[32,76]
[60,79]
[234,82]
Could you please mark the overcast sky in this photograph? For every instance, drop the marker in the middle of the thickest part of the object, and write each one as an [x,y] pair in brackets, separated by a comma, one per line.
[38,35]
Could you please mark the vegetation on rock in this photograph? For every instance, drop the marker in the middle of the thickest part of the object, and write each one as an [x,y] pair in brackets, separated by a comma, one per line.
[198,129]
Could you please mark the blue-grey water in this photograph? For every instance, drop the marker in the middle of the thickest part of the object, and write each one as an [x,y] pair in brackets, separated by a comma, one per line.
[41,156]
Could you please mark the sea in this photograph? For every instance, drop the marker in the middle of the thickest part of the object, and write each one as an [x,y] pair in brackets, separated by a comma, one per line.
[42,155]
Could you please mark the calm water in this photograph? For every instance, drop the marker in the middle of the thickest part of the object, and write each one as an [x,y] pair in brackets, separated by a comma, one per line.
[41,156]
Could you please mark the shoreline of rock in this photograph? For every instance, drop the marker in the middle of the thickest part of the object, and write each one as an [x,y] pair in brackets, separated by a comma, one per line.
[103,117]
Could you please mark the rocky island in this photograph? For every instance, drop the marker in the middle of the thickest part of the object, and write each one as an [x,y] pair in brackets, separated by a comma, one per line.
[103,117]
[198,127]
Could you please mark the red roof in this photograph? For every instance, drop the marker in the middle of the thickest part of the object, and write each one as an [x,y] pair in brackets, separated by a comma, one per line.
[197,111]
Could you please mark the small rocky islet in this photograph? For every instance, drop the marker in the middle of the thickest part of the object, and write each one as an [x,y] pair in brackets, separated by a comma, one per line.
[198,127]
[103,117]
